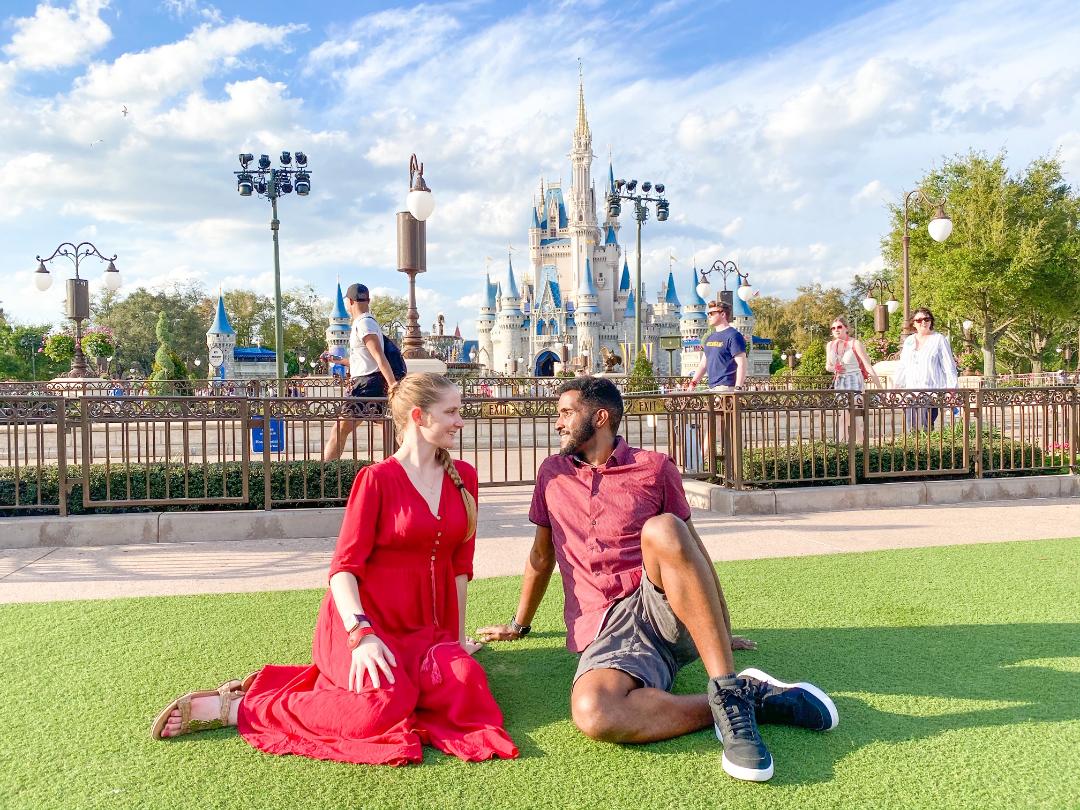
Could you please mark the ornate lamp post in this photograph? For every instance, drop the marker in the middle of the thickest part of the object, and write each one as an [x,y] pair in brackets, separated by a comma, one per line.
[625,190]
[882,308]
[77,306]
[272,183]
[791,359]
[412,251]
[940,227]
[725,267]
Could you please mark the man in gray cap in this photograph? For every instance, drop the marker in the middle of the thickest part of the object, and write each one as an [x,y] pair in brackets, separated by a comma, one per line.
[368,368]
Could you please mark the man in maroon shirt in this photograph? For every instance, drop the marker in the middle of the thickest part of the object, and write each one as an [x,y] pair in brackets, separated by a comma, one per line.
[642,597]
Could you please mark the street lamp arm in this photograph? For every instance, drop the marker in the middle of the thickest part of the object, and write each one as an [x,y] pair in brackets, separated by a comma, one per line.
[75,253]
[919,196]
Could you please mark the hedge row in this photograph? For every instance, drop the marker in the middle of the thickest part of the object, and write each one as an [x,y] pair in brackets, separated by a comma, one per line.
[827,462]
[292,484]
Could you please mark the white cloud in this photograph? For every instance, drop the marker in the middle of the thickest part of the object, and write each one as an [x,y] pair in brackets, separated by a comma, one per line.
[732,227]
[58,37]
[872,192]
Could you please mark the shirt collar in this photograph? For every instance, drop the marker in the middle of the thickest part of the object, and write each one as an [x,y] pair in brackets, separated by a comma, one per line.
[619,456]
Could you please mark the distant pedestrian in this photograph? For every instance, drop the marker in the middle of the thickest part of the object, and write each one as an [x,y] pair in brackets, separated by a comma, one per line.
[723,353]
[850,365]
[369,370]
[926,361]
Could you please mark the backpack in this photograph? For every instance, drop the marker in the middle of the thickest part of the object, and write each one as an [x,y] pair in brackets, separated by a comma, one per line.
[394,358]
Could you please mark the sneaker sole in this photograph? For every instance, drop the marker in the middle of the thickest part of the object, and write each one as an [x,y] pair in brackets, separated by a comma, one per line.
[738,771]
[834,716]
[746,774]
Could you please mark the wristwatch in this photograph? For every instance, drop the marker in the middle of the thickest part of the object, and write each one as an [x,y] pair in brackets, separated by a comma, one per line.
[521,629]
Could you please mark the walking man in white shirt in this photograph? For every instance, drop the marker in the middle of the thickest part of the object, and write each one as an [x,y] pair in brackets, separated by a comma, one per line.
[369,370]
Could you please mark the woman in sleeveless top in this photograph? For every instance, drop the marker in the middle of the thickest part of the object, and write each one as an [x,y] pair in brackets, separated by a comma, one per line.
[846,358]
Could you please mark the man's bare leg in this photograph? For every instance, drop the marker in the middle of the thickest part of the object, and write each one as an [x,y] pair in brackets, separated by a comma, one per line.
[675,563]
[611,706]
[339,434]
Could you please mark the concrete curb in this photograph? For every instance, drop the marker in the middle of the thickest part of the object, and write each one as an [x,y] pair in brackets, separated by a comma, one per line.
[291,524]
[168,527]
[798,500]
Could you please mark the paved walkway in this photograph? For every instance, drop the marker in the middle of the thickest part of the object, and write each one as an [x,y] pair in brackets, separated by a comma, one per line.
[504,537]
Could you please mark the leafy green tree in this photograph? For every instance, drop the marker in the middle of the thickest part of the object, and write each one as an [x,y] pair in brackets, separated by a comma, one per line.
[389,308]
[133,322]
[812,363]
[642,375]
[305,314]
[168,367]
[1012,259]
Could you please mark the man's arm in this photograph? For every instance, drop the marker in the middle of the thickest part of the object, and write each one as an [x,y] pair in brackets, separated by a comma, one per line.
[374,345]
[740,369]
[702,367]
[538,570]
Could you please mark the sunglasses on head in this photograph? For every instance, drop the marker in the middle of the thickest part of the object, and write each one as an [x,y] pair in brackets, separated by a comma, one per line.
[922,320]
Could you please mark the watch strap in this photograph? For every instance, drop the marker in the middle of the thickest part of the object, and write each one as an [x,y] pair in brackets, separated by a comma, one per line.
[358,634]
[521,629]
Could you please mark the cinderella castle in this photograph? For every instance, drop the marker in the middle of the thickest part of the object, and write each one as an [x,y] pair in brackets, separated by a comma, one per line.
[575,297]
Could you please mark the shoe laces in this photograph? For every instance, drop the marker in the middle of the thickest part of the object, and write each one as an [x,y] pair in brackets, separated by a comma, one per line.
[737,706]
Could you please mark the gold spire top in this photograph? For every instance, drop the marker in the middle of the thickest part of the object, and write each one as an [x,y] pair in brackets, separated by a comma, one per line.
[582,121]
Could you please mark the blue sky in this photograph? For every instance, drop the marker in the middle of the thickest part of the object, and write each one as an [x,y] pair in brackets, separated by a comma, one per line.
[781,129]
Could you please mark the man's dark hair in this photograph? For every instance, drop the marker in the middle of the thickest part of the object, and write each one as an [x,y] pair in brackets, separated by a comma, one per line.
[723,306]
[596,393]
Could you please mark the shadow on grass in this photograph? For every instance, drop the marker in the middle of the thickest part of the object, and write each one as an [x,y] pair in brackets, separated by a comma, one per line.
[895,685]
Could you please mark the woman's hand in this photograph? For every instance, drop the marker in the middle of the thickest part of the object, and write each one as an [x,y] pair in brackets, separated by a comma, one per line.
[371,657]
[471,645]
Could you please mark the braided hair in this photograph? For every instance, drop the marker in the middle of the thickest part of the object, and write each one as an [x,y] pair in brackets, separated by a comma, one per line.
[423,390]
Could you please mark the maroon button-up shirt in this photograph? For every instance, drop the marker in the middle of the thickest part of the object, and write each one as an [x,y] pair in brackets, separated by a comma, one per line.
[595,515]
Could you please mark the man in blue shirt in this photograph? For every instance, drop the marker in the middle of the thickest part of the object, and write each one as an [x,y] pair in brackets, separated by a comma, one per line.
[723,353]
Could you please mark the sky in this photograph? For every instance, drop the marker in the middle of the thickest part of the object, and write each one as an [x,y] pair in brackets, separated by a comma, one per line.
[782,130]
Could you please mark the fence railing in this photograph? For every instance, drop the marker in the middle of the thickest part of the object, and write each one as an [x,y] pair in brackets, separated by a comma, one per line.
[778,438]
[100,453]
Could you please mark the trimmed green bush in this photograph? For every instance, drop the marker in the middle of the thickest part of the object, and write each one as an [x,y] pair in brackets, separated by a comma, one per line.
[820,463]
[293,484]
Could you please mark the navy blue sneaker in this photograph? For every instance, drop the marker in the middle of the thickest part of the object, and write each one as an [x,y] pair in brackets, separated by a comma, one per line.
[745,755]
[791,704]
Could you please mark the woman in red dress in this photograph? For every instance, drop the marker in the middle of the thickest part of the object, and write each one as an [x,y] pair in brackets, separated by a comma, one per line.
[392,667]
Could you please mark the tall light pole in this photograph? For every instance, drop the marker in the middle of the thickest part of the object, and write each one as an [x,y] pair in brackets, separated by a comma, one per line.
[412,251]
[625,190]
[77,305]
[271,183]
[940,227]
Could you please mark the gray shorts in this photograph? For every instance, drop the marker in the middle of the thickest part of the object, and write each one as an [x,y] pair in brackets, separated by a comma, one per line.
[642,637]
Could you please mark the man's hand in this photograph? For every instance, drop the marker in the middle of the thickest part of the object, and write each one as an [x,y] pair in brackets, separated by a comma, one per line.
[497,632]
[742,643]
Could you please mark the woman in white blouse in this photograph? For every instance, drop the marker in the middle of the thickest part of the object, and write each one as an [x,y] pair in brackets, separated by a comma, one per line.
[926,361]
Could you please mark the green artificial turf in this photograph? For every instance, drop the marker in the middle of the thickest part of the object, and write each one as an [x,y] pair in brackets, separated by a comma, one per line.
[956,672]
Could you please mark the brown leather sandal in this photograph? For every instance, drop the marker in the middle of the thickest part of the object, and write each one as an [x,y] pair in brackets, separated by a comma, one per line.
[225,694]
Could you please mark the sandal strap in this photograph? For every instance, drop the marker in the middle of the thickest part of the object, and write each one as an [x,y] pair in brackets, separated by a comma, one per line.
[184,704]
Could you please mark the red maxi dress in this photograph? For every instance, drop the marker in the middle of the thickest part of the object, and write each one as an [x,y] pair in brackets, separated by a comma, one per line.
[405,560]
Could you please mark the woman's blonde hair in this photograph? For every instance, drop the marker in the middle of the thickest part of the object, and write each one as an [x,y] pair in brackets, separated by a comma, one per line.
[423,391]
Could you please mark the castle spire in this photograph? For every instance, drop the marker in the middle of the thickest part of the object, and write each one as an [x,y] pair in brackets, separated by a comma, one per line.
[582,121]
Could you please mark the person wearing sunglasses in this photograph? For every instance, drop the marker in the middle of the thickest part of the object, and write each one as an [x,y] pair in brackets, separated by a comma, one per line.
[846,358]
[926,361]
[723,353]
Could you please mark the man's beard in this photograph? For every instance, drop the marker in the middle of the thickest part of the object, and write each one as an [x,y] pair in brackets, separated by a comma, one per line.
[577,438]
